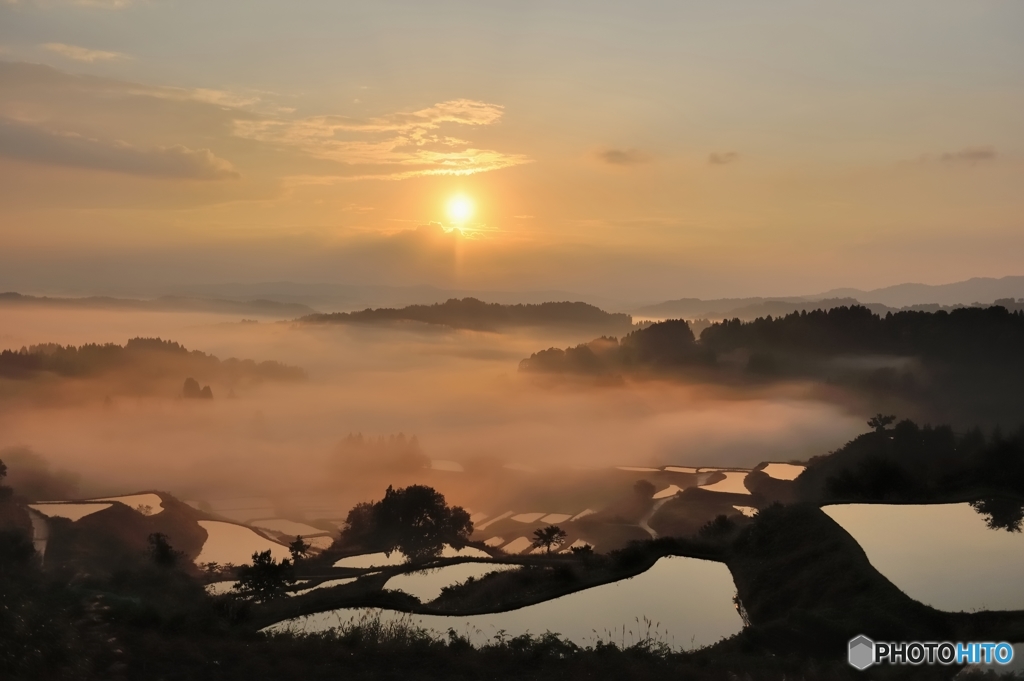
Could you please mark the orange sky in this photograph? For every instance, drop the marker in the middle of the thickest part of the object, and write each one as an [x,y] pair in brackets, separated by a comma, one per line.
[642,152]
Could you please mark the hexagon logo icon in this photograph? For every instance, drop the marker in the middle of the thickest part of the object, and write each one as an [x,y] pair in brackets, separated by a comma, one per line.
[862,652]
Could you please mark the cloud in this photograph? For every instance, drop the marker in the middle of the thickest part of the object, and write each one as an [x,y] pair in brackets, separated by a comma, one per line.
[623,157]
[394,146]
[723,158]
[82,53]
[38,86]
[31,143]
[971,155]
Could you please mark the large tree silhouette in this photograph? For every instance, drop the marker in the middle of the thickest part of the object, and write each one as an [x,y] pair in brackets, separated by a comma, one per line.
[415,520]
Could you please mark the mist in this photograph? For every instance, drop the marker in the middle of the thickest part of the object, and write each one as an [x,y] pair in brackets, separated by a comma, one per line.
[458,393]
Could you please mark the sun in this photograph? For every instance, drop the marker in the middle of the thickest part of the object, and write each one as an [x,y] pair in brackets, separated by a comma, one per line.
[460,209]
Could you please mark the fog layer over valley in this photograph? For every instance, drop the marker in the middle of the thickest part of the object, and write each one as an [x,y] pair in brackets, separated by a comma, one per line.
[455,396]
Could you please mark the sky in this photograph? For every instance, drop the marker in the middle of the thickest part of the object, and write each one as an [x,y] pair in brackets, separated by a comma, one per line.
[642,151]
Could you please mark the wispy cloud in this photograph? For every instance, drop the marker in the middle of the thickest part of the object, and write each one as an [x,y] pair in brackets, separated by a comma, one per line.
[31,143]
[969,155]
[395,146]
[721,158]
[623,157]
[83,53]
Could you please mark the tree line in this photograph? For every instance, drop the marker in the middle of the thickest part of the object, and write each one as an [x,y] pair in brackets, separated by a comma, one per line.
[471,313]
[960,366]
[154,355]
[909,463]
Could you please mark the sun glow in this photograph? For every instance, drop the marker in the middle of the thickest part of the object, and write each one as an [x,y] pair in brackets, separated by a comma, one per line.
[460,209]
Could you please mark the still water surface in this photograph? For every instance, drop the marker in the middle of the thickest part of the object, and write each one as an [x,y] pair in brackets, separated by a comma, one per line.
[688,602]
[941,554]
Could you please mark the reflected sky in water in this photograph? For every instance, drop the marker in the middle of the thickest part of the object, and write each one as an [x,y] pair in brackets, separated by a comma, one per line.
[942,555]
[688,601]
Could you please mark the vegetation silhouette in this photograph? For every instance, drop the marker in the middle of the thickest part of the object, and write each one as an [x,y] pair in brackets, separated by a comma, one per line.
[192,391]
[915,464]
[144,360]
[644,489]
[880,422]
[415,520]
[548,537]
[265,579]
[1001,513]
[162,552]
[299,549]
[357,455]
[471,313]
[962,366]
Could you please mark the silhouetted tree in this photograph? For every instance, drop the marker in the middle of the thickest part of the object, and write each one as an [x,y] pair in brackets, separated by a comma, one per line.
[211,568]
[360,527]
[721,526]
[644,489]
[1003,513]
[16,552]
[191,390]
[549,536]
[265,579]
[299,549]
[880,422]
[161,550]
[5,491]
[417,521]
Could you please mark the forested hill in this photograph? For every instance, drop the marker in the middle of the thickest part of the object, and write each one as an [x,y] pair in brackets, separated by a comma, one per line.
[148,357]
[470,313]
[963,364]
[979,335]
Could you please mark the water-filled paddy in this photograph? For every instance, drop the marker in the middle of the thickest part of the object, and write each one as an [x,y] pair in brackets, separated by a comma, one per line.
[287,527]
[733,483]
[381,559]
[669,491]
[229,543]
[426,585]
[71,511]
[783,471]
[688,602]
[517,545]
[146,504]
[942,555]
[325,585]
[528,518]
[371,560]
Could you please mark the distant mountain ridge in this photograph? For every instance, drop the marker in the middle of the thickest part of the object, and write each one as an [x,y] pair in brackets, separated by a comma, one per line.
[260,307]
[983,291]
[974,290]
